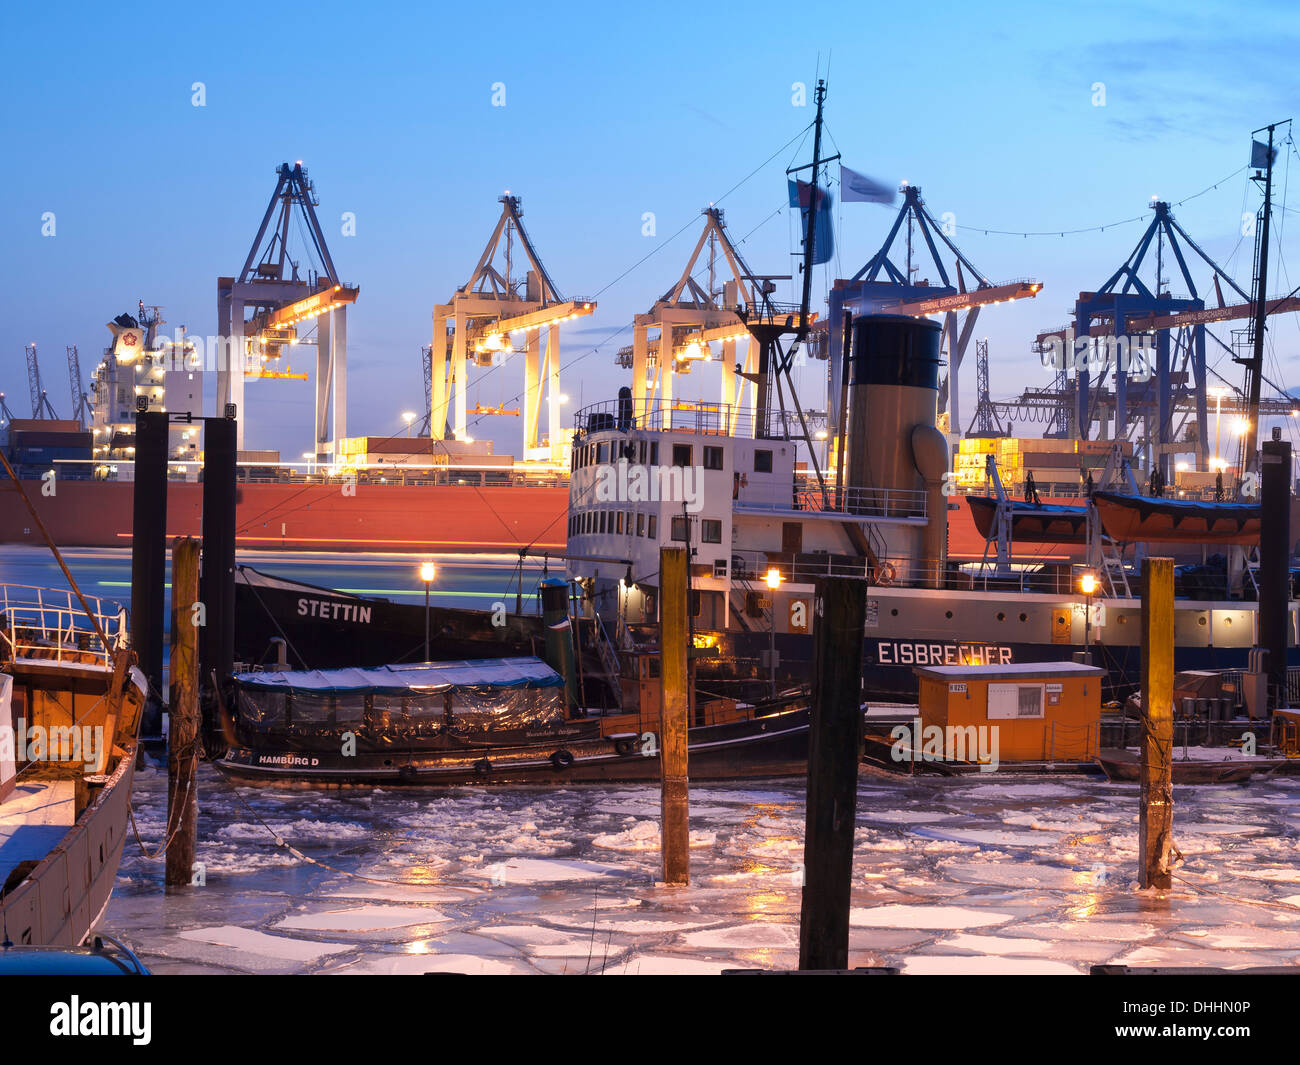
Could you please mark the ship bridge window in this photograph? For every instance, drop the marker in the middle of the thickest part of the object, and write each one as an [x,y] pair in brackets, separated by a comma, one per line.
[652,526]
[681,529]
[711,530]
[640,524]
[641,453]
[713,458]
[763,461]
[654,452]
[601,450]
[681,454]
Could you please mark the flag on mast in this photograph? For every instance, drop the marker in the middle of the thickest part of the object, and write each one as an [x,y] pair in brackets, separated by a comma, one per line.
[823,236]
[858,188]
[1259,157]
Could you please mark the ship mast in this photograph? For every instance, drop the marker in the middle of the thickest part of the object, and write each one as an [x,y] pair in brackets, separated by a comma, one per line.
[769,324]
[1255,362]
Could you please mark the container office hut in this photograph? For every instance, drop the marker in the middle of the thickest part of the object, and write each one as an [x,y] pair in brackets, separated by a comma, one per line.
[1043,711]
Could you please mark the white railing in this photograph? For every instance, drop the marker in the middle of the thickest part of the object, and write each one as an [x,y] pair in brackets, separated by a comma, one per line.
[855,502]
[49,623]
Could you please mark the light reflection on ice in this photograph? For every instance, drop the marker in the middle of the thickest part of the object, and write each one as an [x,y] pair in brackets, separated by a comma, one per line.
[1015,874]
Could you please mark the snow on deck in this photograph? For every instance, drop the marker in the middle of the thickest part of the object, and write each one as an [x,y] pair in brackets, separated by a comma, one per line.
[965,875]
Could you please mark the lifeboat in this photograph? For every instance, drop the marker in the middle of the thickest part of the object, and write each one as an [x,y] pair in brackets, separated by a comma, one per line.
[1033,523]
[1142,519]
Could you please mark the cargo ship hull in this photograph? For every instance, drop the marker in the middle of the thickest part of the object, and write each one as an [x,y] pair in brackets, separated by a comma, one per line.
[314,517]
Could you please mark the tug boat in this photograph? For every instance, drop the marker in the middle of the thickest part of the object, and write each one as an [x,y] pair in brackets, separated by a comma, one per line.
[70,709]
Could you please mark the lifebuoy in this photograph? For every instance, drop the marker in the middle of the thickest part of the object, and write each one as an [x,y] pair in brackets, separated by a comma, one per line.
[886,573]
[625,746]
[562,759]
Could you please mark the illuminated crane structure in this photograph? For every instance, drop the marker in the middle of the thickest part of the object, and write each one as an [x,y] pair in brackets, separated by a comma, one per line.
[694,315]
[81,409]
[1172,330]
[478,325]
[883,287]
[41,407]
[279,299]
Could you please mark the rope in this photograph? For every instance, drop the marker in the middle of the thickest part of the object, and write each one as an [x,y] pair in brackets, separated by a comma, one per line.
[1095,229]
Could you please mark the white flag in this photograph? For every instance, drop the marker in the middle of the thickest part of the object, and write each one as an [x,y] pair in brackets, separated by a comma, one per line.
[858,188]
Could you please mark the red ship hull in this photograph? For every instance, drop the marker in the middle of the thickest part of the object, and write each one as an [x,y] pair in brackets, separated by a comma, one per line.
[396,518]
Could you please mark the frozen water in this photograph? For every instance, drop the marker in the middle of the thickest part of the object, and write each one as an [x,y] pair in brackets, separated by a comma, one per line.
[969,875]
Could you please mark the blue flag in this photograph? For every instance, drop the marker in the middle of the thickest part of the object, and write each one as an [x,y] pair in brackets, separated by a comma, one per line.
[823,236]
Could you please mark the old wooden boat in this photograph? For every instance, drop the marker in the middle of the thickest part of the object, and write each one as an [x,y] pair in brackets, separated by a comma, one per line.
[486,721]
[70,708]
[1123,765]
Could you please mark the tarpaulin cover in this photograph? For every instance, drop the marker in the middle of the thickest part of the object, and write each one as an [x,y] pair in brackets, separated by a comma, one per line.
[398,704]
[422,677]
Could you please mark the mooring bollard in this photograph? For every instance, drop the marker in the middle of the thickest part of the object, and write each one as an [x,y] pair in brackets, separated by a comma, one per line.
[674,705]
[834,747]
[183,706]
[1156,809]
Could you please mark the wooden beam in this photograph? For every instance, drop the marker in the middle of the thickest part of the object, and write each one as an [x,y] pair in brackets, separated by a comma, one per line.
[834,747]
[183,707]
[1156,809]
[674,710]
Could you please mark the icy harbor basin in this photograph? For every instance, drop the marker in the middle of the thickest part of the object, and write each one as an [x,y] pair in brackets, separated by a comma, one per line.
[984,874]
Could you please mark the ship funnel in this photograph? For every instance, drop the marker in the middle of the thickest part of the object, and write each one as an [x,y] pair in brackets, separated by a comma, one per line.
[896,458]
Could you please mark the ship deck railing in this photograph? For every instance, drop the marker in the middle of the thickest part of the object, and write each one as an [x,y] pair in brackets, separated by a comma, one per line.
[322,473]
[698,418]
[50,624]
[847,503]
[900,573]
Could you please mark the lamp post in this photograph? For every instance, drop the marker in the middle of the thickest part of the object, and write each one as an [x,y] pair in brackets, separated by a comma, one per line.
[427,573]
[1218,392]
[408,416]
[773,581]
[1088,585]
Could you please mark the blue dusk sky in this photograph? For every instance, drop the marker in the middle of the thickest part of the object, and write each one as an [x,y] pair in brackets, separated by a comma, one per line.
[611,111]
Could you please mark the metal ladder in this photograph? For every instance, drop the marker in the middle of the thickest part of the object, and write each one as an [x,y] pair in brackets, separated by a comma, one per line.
[1112,569]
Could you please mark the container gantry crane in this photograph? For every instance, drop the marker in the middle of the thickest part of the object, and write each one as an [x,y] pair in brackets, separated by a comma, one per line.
[41,407]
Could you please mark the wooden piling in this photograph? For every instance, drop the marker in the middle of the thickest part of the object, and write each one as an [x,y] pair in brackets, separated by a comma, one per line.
[834,748]
[183,706]
[674,710]
[1156,812]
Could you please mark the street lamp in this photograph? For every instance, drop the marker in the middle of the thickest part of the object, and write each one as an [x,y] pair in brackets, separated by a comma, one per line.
[308,457]
[773,581]
[1088,585]
[408,416]
[427,573]
[1218,392]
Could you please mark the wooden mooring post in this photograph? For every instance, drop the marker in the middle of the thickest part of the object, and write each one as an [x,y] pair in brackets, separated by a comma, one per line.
[183,708]
[1156,810]
[674,671]
[834,748]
